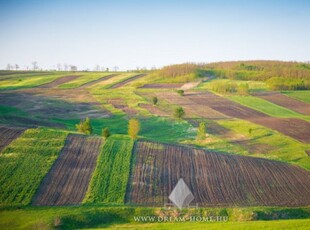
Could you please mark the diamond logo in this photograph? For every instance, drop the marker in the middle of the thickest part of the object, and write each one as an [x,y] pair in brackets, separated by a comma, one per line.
[181,196]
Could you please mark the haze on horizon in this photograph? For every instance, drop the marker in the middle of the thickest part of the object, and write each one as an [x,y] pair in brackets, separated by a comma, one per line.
[137,33]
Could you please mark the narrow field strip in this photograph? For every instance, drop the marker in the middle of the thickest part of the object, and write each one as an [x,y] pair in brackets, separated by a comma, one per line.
[215,179]
[90,83]
[269,107]
[122,83]
[292,127]
[25,162]
[67,181]
[59,81]
[108,83]
[110,178]
[286,101]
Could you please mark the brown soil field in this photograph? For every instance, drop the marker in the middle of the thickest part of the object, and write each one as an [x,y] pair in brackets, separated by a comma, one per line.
[154,110]
[59,81]
[162,86]
[214,179]
[120,84]
[295,128]
[285,101]
[121,104]
[67,181]
[55,103]
[98,80]
[191,109]
[9,134]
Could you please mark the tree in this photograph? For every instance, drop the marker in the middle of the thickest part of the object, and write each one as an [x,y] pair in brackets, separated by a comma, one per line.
[59,67]
[155,100]
[250,131]
[9,67]
[133,128]
[201,132]
[179,112]
[84,126]
[16,66]
[35,65]
[105,133]
[180,92]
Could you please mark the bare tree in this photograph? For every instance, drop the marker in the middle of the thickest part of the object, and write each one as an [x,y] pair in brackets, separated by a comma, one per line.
[97,68]
[66,67]
[73,68]
[16,66]
[116,68]
[9,67]
[59,67]
[35,65]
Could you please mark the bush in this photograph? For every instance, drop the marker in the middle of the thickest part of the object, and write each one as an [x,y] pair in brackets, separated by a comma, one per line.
[105,133]
[179,112]
[180,92]
[201,132]
[133,128]
[84,126]
[154,100]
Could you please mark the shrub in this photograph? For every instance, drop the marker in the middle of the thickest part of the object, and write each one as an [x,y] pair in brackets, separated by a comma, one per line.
[84,126]
[201,132]
[154,100]
[180,92]
[105,133]
[179,112]
[133,128]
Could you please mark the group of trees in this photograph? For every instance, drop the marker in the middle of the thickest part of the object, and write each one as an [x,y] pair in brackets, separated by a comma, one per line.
[231,88]
[85,127]
[278,75]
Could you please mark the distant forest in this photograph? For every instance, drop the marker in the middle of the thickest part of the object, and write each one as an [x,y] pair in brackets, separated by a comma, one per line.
[277,74]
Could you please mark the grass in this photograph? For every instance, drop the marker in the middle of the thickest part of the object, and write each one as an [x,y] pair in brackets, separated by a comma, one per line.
[266,107]
[302,95]
[253,85]
[109,181]
[25,162]
[267,225]
[28,82]
[93,216]
[281,147]
[85,78]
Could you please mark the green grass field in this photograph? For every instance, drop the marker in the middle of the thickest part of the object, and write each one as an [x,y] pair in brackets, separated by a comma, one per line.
[266,107]
[303,95]
[253,85]
[120,217]
[25,162]
[109,181]
[29,81]
[280,147]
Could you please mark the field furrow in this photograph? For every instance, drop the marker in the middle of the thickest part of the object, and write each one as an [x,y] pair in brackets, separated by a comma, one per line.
[215,179]
[68,180]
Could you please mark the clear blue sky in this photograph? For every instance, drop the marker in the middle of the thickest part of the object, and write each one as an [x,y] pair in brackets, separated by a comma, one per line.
[151,33]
